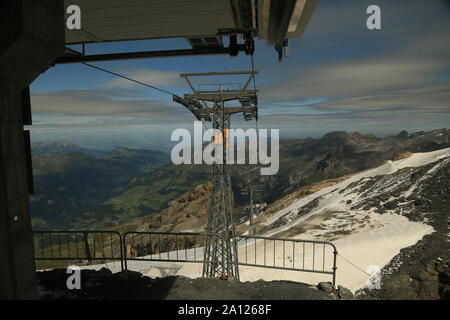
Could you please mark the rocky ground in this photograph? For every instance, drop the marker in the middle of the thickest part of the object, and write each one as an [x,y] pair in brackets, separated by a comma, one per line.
[132,285]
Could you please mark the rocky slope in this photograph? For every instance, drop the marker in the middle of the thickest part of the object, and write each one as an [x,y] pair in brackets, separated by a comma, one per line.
[421,271]
[187,213]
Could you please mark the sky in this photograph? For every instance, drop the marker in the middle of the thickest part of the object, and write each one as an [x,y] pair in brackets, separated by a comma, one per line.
[340,76]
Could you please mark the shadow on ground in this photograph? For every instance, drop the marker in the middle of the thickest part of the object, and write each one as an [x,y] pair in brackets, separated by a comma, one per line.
[103,284]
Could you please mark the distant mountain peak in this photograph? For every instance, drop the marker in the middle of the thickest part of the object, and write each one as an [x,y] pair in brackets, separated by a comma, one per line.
[55,143]
[62,147]
[403,134]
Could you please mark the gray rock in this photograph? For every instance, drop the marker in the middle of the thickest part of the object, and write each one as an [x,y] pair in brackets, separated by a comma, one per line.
[133,274]
[126,275]
[344,293]
[325,286]
[105,272]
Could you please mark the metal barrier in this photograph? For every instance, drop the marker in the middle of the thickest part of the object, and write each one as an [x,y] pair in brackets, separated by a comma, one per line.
[254,251]
[78,246]
[288,254]
[164,246]
[264,252]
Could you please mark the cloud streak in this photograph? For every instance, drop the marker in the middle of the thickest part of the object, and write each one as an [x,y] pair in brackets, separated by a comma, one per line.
[152,77]
[101,102]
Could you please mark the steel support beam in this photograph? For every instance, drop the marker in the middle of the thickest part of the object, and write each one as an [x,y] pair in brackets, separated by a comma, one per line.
[74,57]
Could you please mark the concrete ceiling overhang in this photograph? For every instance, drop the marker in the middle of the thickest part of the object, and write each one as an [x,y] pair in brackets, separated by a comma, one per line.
[118,20]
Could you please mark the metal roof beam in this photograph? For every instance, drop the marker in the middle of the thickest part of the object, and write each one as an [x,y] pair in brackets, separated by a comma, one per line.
[225,96]
[217,73]
[74,58]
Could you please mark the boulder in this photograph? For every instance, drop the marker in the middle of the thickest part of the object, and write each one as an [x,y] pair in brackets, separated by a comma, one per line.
[325,286]
[133,274]
[344,293]
[127,275]
[105,271]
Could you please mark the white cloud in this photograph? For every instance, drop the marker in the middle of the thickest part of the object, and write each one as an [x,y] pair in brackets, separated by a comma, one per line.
[151,77]
[354,78]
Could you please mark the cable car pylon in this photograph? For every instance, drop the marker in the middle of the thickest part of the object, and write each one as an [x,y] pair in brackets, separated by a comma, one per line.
[220,255]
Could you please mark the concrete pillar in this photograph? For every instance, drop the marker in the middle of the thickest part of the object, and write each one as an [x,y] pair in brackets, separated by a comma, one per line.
[32,36]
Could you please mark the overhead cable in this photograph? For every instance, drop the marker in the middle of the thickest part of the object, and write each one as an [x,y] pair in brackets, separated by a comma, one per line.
[127,78]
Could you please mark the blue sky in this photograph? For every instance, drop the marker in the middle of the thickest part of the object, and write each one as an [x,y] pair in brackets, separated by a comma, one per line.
[340,76]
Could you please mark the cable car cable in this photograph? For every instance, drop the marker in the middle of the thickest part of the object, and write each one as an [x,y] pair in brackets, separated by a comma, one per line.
[133,80]
[127,78]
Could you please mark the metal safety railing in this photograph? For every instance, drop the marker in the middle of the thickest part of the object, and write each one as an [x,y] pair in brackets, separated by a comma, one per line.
[164,246]
[77,246]
[253,251]
[288,254]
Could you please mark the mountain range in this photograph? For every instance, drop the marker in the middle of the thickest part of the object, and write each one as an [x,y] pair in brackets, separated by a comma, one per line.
[77,190]
[61,147]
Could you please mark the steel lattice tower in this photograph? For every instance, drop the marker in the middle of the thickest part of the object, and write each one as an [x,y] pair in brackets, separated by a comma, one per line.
[220,256]
[220,250]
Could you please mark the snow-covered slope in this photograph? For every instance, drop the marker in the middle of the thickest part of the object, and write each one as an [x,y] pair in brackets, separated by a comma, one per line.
[366,216]
[338,195]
